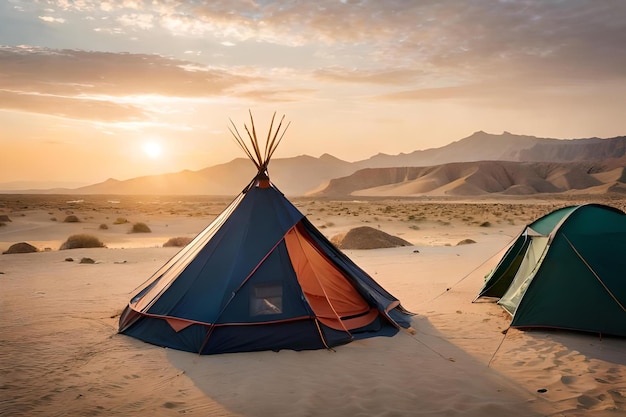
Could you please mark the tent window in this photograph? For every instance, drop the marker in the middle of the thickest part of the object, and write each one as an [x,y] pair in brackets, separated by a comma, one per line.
[266,299]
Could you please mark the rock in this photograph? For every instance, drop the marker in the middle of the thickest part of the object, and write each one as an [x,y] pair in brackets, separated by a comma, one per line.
[21,247]
[366,237]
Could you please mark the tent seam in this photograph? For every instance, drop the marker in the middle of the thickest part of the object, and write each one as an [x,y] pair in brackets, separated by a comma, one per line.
[595,274]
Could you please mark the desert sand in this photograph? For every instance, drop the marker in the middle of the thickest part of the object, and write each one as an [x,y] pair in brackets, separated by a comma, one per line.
[60,354]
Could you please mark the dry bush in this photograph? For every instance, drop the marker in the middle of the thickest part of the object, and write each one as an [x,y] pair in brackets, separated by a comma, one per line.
[4,218]
[71,219]
[466,242]
[178,242]
[120,220]
[81,241]
[21,247]
[140,227]
[365,237]
[103,226]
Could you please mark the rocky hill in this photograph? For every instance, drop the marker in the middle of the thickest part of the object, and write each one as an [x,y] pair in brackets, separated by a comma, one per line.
[304,175]
[480,178]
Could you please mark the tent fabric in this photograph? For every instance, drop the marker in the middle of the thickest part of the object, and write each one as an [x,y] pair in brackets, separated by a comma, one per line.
[525,273]
[260,277]
[331,296]
[569,274]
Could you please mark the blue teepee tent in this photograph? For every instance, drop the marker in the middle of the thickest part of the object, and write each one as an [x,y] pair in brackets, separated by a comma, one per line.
[260,277]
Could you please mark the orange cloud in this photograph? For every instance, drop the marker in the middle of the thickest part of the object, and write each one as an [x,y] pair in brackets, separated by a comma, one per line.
[81,84]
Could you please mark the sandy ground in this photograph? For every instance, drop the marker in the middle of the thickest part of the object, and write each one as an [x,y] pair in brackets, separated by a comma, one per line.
[60,354]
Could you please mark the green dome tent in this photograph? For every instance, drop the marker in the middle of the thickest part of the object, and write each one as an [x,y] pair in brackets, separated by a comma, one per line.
[566,270]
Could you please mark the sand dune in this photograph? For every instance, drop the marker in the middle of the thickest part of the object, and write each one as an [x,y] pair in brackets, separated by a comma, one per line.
[611,176]
[61,354]
[476,178]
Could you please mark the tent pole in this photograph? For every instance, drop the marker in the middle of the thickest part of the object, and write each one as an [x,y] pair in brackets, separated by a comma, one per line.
[319,330]
[595,274]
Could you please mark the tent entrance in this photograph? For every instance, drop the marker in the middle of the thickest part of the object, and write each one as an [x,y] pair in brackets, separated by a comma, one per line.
[530,263]
[333,299]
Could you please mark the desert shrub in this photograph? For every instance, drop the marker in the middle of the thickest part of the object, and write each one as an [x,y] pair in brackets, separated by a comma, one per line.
[120,220]
[365,237]
[81,241]
[485,224]
[4,218]
[87,261]
[140,227]
[103,226]
[466,242]
[177,242]
[21,247]
[71,219]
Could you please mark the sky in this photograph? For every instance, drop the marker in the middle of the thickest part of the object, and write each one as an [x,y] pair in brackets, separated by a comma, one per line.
[91,89]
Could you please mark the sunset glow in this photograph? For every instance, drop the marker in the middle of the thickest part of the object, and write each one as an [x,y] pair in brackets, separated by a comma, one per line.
[152,149]
[88,80]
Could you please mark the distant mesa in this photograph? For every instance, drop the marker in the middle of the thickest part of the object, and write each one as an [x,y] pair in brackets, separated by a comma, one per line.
[366,237]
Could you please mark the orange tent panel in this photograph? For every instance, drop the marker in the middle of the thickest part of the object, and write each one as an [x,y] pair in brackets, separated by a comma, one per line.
[332,297]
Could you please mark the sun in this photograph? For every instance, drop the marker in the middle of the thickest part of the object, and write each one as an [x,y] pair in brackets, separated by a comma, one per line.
[152,150]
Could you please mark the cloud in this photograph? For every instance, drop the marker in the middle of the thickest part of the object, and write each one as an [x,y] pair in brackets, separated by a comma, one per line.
[51,19]
[530,39]
[277,95]
[499,95]
[72,72]
[68,107]
[367,76]
[141,21]
[85,84]
[577,39]
[415,50]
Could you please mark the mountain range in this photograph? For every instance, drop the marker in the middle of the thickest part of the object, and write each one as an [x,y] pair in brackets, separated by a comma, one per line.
[481,163]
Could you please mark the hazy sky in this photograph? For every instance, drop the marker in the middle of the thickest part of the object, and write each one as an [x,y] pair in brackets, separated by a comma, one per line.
[93,89]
